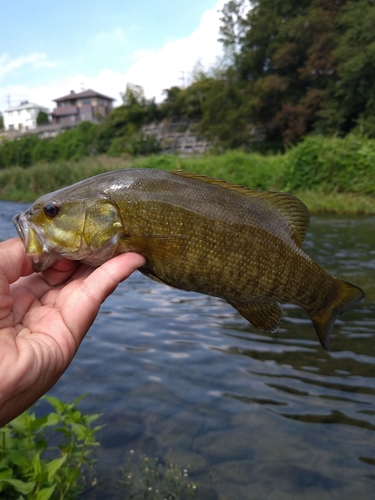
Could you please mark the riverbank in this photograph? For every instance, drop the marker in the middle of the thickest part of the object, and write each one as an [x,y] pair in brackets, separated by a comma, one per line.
[249,169]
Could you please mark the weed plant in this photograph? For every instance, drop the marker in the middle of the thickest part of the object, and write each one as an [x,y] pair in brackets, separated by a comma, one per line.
[331,165]
[146,479]
[32,469]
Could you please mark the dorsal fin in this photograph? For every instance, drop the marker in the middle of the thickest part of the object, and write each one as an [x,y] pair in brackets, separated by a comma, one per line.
[291,208]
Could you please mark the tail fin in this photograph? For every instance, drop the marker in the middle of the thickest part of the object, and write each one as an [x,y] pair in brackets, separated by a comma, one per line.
[323,320]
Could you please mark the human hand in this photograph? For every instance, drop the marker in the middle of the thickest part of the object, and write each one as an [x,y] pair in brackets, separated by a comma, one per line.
[44,318]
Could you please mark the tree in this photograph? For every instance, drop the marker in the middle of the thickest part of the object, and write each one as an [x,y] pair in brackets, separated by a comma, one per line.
[42,118]
[224,120]
[234,26]
[1,122]
[188,103]
[350,99]
[286,58]
[134,95]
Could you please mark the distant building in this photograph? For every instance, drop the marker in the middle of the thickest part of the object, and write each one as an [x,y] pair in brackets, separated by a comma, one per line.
[87,105]
[22,117]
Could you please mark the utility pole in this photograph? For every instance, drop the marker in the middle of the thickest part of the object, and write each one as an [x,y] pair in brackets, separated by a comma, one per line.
[182,78]
[7,98]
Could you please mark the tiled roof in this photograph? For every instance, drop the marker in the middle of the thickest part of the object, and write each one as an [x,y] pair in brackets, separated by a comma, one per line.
[85,93]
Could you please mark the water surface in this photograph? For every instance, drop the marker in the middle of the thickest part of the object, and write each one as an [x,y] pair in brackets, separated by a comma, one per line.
[183,377]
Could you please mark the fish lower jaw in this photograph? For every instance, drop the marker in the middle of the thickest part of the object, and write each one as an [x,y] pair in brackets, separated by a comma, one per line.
[44,260]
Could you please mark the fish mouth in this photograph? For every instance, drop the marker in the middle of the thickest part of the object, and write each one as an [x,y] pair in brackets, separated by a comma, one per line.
[22,226]
[34,242]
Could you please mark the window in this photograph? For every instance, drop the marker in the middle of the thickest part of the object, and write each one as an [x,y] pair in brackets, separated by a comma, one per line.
[86,100]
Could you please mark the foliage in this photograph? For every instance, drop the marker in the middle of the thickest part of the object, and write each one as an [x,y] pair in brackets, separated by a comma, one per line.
[350,102]
[324,168]
[18,184]
[187,103]
[70,145]
[331,164]
[18,152]
[224,120]
[297,66]
[283,59]
[42,118]
[1,121]
[134,143]
[150,480]
[32,469]
[121,131]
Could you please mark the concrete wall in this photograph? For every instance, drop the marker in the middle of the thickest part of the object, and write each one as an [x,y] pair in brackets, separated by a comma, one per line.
[178,137]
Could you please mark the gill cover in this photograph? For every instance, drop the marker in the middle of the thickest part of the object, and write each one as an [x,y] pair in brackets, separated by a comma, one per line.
[84,230]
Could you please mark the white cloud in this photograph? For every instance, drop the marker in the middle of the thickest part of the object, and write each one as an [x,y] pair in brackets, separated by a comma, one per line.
[153,70]
[8,65]
[106,39]
[173,63]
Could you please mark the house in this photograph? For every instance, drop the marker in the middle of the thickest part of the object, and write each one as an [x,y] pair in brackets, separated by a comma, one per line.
[77,107]
[22,117]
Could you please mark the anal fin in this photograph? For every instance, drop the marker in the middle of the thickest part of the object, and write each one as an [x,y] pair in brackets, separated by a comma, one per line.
[263,315]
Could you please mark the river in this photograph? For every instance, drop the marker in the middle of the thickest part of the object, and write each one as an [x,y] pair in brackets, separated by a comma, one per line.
[183,377]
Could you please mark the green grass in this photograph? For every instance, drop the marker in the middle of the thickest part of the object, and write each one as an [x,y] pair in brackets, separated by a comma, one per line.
[337,203]
[263,172]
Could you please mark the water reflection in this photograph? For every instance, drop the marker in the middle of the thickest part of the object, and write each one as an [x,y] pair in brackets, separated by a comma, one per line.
[255,415]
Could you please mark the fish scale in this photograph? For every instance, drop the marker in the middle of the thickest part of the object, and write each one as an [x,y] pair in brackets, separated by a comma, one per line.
[196,233]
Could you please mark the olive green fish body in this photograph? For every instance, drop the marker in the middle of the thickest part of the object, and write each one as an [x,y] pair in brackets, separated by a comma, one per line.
[197,234]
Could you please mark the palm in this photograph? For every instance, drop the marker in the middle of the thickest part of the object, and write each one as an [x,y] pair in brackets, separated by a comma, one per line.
[43,319]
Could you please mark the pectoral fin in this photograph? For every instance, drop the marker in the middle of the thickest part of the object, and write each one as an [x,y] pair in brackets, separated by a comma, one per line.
[151,244]
[150,275]
[263,315]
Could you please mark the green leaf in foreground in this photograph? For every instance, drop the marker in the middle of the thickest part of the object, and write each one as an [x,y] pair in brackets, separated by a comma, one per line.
[32,469]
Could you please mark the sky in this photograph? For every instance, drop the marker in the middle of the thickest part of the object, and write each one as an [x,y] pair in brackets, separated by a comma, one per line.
[49,48]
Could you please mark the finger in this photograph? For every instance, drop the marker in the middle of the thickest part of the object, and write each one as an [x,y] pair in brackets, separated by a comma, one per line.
[14,262]
[59,272]
[41,283]
[80,308]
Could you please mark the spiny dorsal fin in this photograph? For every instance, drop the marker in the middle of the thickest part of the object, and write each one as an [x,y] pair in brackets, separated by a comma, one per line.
[291,208]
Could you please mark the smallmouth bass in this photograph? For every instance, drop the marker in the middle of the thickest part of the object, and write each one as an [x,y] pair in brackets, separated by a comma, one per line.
[197,234]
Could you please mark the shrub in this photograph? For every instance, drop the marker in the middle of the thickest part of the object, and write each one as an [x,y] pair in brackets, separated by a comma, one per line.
[18,152]
[31,469]
[326,164]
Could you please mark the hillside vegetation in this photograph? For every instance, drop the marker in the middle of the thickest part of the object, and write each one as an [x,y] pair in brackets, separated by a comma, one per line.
[331,175]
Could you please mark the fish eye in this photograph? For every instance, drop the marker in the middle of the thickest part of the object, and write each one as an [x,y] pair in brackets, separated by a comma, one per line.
[51,209]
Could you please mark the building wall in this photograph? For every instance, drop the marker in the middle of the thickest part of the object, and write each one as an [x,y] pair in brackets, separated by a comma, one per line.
[22,117]
[87,108]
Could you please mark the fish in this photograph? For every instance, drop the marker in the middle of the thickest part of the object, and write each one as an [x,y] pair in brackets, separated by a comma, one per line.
[196,233]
